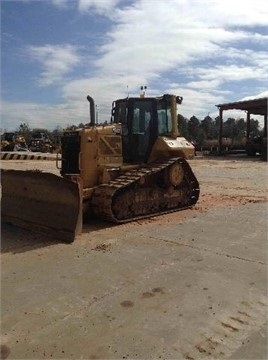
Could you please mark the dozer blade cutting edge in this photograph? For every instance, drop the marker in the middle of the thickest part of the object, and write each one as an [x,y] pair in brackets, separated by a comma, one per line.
[42,201]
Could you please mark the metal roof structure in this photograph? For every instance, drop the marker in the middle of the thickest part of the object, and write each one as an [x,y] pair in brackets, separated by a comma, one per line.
[254,106]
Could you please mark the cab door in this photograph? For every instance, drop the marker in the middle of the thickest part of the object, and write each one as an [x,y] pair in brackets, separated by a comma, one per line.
[142,129]
[138,117]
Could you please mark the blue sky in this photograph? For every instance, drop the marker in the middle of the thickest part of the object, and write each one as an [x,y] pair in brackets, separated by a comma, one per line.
[56,52]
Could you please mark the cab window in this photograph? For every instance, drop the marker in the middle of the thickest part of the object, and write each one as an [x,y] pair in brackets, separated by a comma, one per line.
[120,112]
[142,115]
[164,118]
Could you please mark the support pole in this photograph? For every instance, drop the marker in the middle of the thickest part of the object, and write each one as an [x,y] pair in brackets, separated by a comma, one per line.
[220,131]
[265,126]
[248,124]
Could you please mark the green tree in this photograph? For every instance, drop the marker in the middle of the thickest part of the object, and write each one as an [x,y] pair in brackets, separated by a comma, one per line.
[240,129]
[24,130]
[216,130]
[207,125]
[42,130]
[193,128]
[254,128]
[201,137]
[182,126]
[229,128]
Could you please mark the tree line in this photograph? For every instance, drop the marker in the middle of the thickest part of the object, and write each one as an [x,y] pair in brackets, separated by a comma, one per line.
[199,131]
[193,129]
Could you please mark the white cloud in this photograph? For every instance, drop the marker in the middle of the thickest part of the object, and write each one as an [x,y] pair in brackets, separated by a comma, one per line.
[104,91]
[221,13]
[150,38]
[212,12]
[197,40]
[154,39]
[100,6]
[232,13]
[257,96]
[56,61]
[196,101]
[43,115]
[204,84]
[224,73]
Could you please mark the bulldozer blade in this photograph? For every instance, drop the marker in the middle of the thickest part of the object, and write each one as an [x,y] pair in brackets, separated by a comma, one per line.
[42,201]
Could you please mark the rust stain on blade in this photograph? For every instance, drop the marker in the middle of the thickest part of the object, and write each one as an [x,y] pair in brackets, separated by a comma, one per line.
[42,201]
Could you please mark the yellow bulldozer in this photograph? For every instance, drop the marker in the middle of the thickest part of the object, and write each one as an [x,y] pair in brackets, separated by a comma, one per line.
[12,141]
[132,168]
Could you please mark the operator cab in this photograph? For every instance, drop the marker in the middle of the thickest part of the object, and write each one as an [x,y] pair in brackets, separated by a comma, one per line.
[143,120]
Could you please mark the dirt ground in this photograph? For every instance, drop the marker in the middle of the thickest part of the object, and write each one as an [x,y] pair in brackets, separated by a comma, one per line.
[186,285]
[233,180]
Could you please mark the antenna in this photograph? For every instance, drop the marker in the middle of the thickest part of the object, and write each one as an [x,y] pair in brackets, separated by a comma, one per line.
[127,92]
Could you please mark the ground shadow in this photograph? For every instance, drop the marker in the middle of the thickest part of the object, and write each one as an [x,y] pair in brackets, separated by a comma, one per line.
[18,240]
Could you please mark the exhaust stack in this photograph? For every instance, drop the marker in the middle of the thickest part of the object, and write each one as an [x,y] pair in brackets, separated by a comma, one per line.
[92,110]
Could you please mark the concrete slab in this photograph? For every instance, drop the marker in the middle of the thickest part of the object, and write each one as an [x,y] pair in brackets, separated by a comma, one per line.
[195,289]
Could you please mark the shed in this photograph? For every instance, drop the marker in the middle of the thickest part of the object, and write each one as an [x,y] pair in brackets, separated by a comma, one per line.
[252,107]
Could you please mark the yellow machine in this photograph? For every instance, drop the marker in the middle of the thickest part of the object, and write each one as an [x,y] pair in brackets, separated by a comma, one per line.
[133,168]
[13,142]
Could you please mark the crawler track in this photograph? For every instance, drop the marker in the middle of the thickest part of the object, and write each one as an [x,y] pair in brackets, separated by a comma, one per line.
[144,192]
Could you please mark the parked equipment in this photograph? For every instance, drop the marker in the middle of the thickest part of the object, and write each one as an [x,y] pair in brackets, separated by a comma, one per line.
[13,141]
[257,144]
[40,142]
[133,168]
